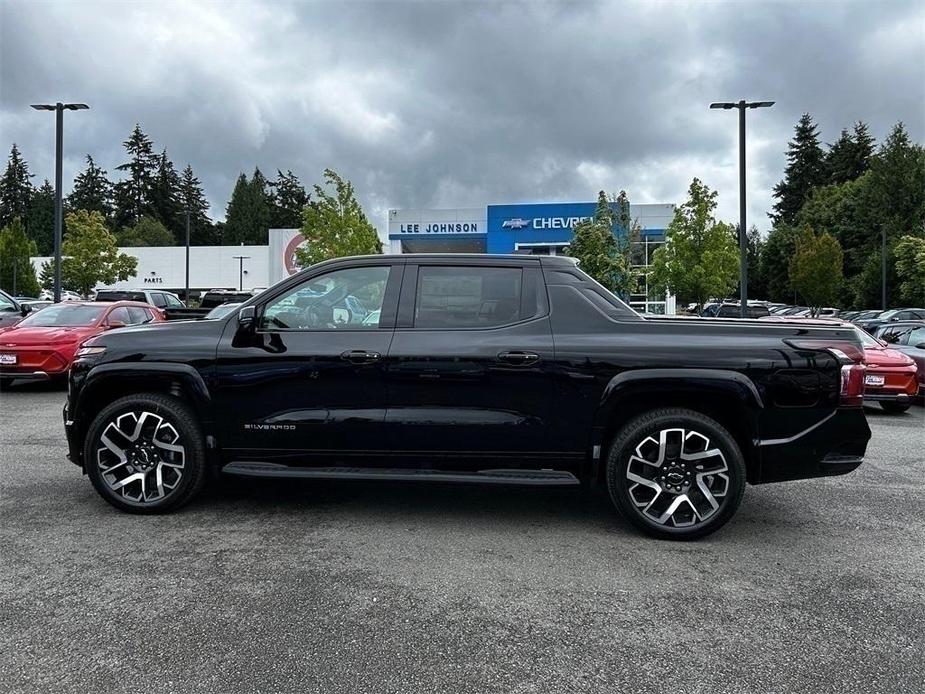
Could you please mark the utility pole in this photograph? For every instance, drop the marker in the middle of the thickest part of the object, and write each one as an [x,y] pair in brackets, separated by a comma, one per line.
[59,109]
[186,295]
[743,253]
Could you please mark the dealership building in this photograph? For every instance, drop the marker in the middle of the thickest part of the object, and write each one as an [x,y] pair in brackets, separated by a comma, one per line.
[537,229]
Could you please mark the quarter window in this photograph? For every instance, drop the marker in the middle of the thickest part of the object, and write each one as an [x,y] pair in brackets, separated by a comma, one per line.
[467,297]
[348,299]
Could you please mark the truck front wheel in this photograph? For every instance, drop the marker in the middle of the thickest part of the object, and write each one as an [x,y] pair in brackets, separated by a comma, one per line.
[145,453]
[675,473]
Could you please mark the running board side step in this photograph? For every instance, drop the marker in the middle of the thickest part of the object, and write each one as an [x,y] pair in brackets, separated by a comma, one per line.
[544,478]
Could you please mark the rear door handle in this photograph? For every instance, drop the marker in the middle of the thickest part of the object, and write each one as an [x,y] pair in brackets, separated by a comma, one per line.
[519,358]
[360,356]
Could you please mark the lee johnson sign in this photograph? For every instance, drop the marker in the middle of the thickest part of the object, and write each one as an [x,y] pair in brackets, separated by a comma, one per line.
[439,228]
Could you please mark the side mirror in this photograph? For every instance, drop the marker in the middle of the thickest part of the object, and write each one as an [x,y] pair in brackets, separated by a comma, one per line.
[921,345]
[115,324]
[247,316]
[25,310]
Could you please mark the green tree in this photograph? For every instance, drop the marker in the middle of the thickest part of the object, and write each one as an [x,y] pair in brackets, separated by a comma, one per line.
[47,275]
[757,287]
[17,274]
[92,191]
[334,225]
[816,268]
[193,200]
[15,188]
[597,248]
[147,231]
[805,170]
[165,197]
[910,266]
[897,180]
[287,201]
[133,196]
[699,259]
[90,254]
[849,156]
[775,263]
[248,216]
[40,219]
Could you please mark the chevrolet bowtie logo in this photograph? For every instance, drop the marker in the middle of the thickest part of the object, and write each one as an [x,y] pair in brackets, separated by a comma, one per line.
[516,223]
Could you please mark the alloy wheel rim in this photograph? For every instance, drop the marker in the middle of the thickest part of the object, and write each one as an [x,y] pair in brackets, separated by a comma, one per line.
[141,458]
[678,478]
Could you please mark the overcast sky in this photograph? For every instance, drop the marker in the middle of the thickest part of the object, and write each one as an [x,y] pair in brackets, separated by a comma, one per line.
[446,104]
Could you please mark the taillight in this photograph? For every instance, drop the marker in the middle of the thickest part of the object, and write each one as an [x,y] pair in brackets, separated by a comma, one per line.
[850,356]
[852,384]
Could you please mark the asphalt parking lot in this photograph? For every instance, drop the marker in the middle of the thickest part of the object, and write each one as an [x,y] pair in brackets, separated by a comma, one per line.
[816,586]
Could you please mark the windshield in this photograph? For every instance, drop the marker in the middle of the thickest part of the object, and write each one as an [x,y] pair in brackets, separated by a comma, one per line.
[6,304]
[64,315]
[888,314]
[221,311]
[868,340]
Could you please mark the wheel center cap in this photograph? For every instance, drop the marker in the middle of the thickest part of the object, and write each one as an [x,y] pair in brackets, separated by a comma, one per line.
[675,477]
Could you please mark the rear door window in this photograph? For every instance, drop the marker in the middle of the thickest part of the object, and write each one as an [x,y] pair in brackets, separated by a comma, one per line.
[158,299]
[138,315]
[468,297]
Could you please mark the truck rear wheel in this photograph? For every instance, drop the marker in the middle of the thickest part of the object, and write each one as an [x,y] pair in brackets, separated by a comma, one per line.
[145,453]
[675,474]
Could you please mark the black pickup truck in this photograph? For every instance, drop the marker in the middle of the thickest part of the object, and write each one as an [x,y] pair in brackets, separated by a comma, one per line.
[454,368]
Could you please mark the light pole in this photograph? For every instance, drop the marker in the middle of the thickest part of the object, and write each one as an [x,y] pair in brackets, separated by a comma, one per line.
[743,260]
[59,109]
[186,296]
[241,259]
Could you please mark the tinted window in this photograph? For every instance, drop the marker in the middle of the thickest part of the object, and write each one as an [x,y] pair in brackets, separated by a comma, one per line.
[158,299]
[64,314]
[916,336]
[341,300]
[119,315]
[467,297]
[138,315]
[758,311]
[114,295]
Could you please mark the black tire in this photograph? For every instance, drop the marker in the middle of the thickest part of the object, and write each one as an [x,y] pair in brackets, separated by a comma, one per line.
[895,407]
[729,464]
[166,412]
[5,384]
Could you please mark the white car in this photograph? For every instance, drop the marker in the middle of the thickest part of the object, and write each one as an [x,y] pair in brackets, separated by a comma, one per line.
[66,295]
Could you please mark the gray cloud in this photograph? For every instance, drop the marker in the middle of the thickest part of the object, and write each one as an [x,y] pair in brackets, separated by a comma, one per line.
[458,104]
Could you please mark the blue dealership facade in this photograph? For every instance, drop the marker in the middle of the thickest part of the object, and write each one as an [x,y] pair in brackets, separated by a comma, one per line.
[533,228]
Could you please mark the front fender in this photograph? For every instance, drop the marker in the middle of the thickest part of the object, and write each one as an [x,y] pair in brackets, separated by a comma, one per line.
[97,387]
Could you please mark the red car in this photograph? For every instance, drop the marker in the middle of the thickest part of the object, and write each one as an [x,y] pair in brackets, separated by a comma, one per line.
[44,343]
[891,375]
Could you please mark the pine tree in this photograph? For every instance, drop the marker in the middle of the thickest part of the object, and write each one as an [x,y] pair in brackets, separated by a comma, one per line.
[165,197]
[92,191]
[17,275]
[40,219]
[193,200]
[237,214]
[15,188]
[288,199]
[849,156]
[805,170]
[133,196]
[261,208]
[897,180]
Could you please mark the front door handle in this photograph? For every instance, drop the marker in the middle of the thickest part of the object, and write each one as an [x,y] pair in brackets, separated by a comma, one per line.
[360,356]
[519,358]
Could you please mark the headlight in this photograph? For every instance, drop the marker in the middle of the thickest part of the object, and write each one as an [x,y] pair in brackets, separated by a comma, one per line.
[90,351]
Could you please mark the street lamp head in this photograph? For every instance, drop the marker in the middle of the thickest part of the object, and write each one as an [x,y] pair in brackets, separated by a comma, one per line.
[723,104]
[76,107]
[760,104]
[43,107]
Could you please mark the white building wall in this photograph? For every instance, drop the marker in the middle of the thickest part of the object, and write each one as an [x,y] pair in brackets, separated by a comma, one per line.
[211,267]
